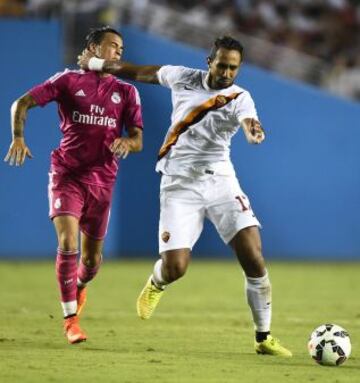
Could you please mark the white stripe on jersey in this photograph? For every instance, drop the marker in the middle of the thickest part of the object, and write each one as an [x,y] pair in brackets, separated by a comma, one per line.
[137,95]
[50,193]
[58,75]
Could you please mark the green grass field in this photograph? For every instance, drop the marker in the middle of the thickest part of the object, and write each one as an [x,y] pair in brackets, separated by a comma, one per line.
[201,332]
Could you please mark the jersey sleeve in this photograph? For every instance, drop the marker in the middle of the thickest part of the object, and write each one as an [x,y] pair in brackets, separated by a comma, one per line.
[169,75]
[133,115]
[50,90]
[245,108]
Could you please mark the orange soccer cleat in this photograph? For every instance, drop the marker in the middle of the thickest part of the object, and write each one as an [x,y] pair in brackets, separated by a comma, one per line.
[73,332]
[81,299]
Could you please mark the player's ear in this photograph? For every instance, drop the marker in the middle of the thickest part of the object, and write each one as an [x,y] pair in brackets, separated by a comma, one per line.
[92,48]
[208,60]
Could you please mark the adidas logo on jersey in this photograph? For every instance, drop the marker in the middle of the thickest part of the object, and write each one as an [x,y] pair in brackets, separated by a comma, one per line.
[80,93]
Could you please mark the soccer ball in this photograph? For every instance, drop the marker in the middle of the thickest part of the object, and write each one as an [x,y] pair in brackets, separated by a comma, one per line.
[329,345]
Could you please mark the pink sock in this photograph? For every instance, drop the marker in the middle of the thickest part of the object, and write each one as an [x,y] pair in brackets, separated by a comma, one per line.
[85,274]
[66,274]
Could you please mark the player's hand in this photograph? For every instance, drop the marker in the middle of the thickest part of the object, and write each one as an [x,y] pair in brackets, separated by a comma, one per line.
[253,130]
[17,153]
[120,147]
[83,59]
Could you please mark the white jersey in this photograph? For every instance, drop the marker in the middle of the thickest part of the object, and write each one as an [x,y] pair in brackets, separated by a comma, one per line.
[203,122]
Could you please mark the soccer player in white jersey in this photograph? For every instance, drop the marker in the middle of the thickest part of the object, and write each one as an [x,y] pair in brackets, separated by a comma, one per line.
[198,178]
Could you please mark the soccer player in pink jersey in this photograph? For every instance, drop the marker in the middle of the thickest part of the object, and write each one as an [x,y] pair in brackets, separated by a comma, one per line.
[94,109]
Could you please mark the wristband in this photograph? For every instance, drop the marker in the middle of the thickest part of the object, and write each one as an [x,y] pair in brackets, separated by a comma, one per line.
[96,64]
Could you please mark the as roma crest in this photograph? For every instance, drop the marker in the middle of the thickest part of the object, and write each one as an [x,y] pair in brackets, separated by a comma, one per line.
[220,101]
[165,236]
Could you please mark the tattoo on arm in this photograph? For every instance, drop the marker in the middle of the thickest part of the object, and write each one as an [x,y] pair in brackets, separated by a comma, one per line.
[18,114]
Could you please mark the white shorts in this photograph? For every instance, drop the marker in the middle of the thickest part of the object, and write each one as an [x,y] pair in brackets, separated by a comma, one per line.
[185,202]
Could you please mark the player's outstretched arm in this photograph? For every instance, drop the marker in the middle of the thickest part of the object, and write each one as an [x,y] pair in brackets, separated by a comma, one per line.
[18,150]
[122,146]
[142,73]
[253,131]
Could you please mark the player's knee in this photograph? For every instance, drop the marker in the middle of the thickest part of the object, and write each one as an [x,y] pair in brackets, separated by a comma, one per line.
[256,266]
[251,251]
[68,242]
[91,259]
[258,259]
[253,248]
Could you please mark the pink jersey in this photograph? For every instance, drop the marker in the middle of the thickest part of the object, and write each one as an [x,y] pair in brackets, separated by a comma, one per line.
[93,112]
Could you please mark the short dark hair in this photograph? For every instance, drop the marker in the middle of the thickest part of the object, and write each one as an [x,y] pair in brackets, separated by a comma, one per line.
[226,42]
[97,34]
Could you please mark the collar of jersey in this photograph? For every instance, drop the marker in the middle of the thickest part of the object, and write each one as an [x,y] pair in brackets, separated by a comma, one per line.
[102,79]
[204,78]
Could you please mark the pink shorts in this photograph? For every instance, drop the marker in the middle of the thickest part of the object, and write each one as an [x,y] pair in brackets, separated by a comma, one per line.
[89,203]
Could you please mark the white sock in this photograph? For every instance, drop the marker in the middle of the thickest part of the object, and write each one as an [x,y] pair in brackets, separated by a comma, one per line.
[157,277]
[69,308]
[258,293]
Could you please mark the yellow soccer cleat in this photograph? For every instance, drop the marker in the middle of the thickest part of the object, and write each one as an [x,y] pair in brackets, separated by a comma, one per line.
[148,300]
[272,346]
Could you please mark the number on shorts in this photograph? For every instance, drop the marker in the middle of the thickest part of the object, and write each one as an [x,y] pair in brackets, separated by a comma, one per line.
[242,201]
